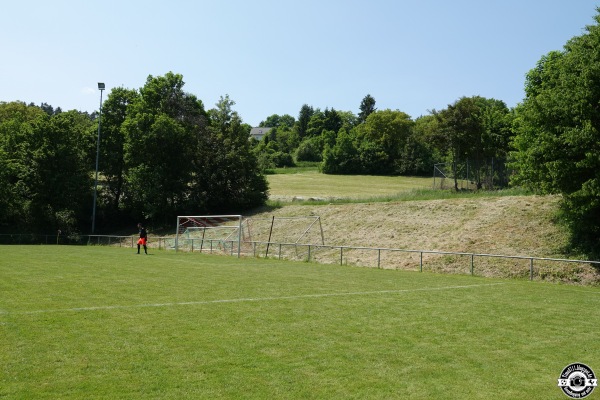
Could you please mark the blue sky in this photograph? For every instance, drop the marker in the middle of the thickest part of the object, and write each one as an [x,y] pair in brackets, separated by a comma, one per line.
[271,57]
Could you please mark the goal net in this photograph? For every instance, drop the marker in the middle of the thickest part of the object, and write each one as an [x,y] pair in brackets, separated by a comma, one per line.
[235,234]
[209,232]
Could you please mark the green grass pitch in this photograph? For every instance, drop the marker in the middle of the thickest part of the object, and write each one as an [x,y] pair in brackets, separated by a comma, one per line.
[106,323]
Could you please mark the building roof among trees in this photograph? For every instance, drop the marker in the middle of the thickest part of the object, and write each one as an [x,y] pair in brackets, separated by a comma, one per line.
[258,133]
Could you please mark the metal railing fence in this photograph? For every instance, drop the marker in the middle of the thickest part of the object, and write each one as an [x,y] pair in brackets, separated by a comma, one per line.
[376,257]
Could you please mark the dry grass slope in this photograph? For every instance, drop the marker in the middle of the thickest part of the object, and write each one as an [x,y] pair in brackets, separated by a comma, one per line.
[519,225]
[513,225]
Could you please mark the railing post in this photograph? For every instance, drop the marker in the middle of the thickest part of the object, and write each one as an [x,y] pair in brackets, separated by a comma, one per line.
[531,269]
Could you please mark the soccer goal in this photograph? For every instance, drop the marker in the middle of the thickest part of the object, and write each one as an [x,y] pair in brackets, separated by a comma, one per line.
[203,232]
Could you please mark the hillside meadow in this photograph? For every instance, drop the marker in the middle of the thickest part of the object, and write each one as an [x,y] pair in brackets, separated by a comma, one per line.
[309,183]
[380,212]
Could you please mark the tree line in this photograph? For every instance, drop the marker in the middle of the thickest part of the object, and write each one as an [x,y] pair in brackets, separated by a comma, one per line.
[163,154]
[390,142]
[550,142]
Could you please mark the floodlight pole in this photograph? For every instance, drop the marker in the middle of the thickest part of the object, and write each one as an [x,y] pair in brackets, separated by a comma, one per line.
[101,87]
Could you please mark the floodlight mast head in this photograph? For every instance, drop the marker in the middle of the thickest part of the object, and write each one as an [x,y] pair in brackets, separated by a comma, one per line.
[101,86]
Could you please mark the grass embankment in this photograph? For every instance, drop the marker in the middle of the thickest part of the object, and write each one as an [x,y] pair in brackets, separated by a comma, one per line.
[404,213]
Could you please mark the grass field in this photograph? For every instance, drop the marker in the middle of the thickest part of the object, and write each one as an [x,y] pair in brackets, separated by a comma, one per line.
[310,183]
[105,323]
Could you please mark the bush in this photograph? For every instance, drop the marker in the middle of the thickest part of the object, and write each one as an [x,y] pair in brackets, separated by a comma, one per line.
[310,150]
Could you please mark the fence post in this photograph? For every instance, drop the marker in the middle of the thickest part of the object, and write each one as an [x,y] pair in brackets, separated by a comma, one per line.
[280,251]
[531,269]
[341,256]
[270,233]
[472,267]
[378,258]
[308,253]
[421,262]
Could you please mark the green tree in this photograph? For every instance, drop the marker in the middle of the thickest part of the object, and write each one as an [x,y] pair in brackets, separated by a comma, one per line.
[57,174]
[459,130]
[160,128]
[422,151]
[475,130]
[416,157]
[333,121]
[382,138]
[321,130]
[328,120]
[349,120]
[316,124]
[343,157]
[112,147]
[497,121]
[277,121]
[310,149]
[557,128]
[7,198]
[304,116]
[227,175]
[276,148]
[17,123]
[367,107]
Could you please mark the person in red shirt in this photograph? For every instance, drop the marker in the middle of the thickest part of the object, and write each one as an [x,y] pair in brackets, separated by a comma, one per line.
[143,238]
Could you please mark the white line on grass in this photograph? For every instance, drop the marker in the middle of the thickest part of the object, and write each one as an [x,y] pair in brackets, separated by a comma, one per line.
[241,300]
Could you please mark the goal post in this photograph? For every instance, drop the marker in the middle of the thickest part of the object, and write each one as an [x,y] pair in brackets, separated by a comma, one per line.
[226,230]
